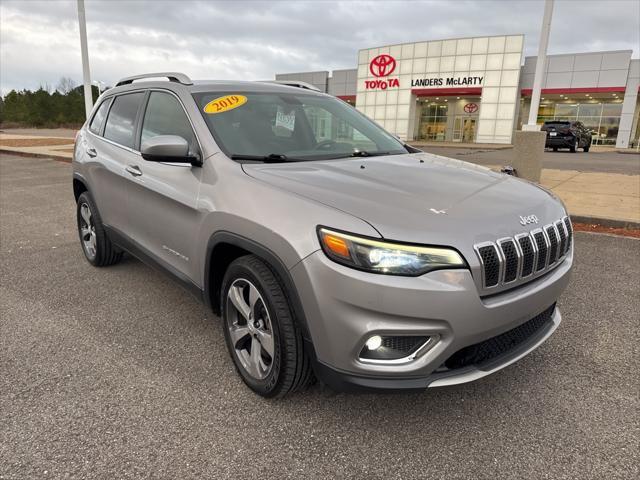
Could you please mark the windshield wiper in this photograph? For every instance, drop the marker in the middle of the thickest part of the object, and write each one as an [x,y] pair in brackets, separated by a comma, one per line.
[364,153]
[271,158]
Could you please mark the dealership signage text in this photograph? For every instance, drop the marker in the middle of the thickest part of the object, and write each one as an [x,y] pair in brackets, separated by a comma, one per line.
[448,81]
[380,83]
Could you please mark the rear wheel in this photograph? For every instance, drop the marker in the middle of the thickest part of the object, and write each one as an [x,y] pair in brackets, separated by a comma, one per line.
[587,146]
[97,247]
[555,149]
[574,147]
[263,339]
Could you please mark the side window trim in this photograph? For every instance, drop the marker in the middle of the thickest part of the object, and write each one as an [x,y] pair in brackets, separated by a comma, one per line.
[108,101]
[113,98]
[144,110]
[140,119]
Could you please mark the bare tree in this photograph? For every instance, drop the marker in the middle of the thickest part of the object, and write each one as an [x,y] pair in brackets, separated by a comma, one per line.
[65,85]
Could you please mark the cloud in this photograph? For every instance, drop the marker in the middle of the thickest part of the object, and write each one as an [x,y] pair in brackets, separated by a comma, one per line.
[253,40]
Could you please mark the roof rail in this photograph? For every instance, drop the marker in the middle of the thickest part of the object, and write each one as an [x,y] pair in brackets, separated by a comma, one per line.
[295,83]
[171,76]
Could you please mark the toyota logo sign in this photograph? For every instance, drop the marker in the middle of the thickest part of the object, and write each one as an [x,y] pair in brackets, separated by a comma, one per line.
[382,65]
[471,107]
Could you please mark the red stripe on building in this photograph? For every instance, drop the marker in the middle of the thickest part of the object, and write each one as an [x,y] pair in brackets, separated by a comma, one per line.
[568,91]
[445,92]
[347,98]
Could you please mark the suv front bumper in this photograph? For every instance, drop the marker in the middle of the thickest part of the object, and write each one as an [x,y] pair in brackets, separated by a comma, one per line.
[344,307]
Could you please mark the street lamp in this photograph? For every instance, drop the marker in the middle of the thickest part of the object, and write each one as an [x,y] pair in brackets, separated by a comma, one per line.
[102,86]
[86,75]
[532,125]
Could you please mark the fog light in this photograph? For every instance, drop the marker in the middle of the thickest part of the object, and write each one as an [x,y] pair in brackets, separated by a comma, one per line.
[389,348]
[374,342]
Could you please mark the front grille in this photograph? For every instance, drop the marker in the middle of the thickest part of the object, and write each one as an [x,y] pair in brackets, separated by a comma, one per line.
[553,243]
[511,258]
[541,243]
[528,254]
[567,223]
[491,262]
[500,345]
[563,236]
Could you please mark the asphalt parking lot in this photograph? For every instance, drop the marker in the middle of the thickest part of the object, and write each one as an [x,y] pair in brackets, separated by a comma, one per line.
[118,373]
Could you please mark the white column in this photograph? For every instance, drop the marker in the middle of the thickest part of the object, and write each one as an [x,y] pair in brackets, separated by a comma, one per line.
[540,67]
[86,75]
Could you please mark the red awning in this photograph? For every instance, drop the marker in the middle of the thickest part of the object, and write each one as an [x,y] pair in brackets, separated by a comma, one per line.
[446,92]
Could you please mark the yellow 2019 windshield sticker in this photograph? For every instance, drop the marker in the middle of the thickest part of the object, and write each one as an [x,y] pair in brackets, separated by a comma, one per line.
[224,104]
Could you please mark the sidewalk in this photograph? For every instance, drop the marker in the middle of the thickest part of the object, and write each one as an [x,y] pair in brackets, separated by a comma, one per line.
[57,147]
[591,196]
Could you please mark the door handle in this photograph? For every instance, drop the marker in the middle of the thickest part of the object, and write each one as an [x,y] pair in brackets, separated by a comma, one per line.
[134,170]
[92,152]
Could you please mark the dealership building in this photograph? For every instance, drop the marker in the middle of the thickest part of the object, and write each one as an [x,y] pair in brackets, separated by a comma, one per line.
[478,90]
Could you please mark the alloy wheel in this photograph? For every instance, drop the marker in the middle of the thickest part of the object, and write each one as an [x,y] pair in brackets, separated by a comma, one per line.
[87,231]
[250,329]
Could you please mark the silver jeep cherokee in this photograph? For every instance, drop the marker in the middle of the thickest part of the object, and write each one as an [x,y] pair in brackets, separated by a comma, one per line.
[329,248]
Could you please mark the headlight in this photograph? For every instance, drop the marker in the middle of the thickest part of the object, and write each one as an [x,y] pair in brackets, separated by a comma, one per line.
[384,257]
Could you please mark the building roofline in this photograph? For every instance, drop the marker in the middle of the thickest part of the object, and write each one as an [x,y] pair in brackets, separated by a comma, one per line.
[445,39]
[581,53]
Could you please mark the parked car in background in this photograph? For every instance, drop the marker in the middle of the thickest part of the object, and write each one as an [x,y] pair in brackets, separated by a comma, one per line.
[328,247]
[566,134]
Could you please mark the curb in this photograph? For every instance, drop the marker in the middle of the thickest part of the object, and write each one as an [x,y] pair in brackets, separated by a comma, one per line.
[606,222]
[58,158]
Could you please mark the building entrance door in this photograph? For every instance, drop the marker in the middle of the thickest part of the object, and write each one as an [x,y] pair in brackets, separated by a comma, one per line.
[464,129]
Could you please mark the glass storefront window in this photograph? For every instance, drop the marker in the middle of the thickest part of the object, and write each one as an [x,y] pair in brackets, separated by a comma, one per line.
[590,110]
[601,116]
[433,122]
[566,110]
[611,109]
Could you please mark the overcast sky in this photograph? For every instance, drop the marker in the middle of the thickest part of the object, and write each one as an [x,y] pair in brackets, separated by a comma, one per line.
[39,41]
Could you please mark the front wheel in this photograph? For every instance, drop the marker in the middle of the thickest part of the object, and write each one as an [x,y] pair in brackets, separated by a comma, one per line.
[97,247]
[263,339]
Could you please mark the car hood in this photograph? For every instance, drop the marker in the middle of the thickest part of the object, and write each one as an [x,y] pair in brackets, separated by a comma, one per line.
[420,198]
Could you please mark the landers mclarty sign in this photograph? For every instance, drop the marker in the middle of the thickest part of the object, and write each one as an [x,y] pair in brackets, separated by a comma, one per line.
[448,81]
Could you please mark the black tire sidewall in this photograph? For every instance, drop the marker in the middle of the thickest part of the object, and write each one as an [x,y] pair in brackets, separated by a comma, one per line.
[101,237]
[243,269]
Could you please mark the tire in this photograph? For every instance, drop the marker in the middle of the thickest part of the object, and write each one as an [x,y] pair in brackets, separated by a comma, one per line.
[280,365]
[587,147]
[555,149]
[574,148]
[92,234]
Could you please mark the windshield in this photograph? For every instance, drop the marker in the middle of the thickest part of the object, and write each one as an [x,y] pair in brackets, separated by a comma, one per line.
[291,127]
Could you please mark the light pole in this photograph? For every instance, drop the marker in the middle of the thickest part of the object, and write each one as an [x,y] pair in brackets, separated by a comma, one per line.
[100,84]
[86,75]
[540,67]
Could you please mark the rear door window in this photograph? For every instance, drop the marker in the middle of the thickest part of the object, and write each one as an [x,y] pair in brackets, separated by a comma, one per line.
[98,118]
[121,123]
[165,116]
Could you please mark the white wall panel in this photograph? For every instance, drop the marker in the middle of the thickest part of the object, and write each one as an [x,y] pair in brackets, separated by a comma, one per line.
[478,62]
[480,45]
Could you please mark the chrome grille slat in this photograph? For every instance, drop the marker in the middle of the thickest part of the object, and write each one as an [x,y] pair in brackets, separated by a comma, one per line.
[552,235]
[527,255]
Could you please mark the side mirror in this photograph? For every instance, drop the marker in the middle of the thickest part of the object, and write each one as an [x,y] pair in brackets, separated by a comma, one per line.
[168,148]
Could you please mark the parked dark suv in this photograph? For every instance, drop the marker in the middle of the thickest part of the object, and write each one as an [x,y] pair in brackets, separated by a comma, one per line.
[565,134]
